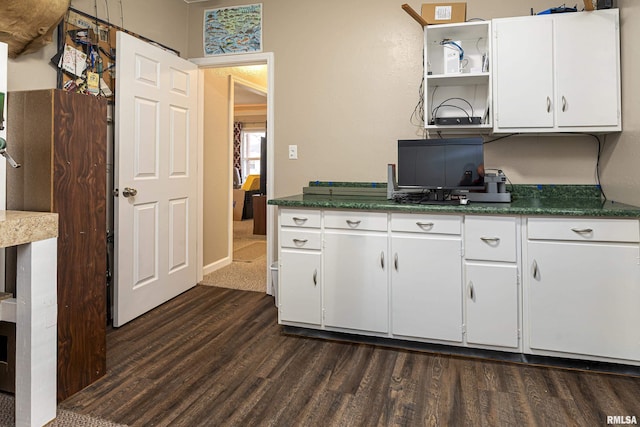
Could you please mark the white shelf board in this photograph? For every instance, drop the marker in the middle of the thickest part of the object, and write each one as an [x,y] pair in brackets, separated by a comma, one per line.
[462,79]
[484,128]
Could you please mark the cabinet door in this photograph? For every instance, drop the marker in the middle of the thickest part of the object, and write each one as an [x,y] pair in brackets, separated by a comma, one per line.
[582,298]
[355,281]
[426,287]
[299,287]
[492,304]
[587,63]
[523,73]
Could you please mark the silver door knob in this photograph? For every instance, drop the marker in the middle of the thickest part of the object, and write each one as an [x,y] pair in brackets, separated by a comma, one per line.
[129,192]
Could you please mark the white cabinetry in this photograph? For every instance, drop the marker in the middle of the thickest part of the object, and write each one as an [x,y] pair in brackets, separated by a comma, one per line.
[299,281]
[457,84]
[557,73]
[426,276]
[356,267]
[491,274]
[582,287]
[456,279]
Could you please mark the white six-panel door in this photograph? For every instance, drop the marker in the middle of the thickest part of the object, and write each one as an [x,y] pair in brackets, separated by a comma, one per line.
[155,176]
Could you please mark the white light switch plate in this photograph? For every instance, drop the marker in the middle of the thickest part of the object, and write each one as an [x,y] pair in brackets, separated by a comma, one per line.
[293,152]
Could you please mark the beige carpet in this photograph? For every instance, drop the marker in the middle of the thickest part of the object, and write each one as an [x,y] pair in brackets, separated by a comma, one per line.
[251,252]
[248,270]
[64,417]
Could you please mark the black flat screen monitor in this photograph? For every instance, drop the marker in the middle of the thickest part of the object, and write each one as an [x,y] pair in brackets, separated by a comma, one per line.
[452,163]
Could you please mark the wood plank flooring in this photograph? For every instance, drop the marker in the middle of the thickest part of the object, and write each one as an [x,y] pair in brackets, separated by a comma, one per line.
[215,356]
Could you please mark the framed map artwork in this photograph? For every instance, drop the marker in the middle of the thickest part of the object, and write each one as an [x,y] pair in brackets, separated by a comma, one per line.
[236,29]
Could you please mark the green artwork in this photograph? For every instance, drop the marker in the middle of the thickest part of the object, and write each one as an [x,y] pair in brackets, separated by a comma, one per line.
[235,29]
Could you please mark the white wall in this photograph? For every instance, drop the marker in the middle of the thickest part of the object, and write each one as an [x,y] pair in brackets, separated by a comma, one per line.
[620,172]
[217,161]
[346,82]
[347,75]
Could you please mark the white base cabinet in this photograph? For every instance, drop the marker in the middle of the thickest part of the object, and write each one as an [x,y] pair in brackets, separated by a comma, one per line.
[492,304]
[300,267]
[426,276]
[582,290]
[564,287]
[300,295]
[356,265]
[583,299]
[492,297]
[356,295]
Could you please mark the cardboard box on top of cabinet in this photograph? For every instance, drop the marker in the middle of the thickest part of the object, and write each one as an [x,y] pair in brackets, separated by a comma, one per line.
[444,13]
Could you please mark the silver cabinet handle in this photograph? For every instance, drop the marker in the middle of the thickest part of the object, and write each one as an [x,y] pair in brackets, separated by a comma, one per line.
[424,225]
[382,260]
[129,192]
[299,242]
[395,261]
[582,230]
[3,150]
[548,104]
[472,294]
[298,220]
[534,270]
[490,239]
[564,104]
[315,277]
[351,223]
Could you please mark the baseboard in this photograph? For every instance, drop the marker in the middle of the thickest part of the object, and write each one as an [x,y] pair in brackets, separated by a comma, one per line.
[217,265]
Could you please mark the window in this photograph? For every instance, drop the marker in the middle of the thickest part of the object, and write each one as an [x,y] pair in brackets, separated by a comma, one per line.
[250,152]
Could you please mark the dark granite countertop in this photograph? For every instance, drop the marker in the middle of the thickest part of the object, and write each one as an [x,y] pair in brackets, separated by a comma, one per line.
[569,200]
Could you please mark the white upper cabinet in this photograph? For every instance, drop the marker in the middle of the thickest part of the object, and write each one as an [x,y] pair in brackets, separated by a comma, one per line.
[524,93]
[587,52]
[457,76]
[557,73]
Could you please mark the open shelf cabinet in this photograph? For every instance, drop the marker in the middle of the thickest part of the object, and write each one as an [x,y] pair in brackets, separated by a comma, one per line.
[458,76]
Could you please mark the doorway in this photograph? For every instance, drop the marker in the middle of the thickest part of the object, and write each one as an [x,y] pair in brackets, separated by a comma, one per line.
[265,59]
[247,140]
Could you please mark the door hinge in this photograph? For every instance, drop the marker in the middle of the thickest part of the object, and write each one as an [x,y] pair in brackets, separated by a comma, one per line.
[323,314]
[464,329]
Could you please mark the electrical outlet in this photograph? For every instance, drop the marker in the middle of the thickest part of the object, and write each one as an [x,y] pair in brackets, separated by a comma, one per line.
[293,152]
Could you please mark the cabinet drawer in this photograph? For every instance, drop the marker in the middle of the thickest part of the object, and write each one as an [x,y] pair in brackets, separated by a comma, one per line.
[436,224]
[490,238]
[584,229]
[355,220]
[300,239]
[300,218]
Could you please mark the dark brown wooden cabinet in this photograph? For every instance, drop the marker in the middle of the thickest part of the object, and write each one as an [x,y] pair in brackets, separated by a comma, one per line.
[60,138]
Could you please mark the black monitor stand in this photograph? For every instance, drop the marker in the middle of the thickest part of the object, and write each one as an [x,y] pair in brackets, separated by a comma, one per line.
[439,195]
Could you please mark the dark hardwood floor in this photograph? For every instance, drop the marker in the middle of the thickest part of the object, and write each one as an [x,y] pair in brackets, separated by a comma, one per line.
[216,356]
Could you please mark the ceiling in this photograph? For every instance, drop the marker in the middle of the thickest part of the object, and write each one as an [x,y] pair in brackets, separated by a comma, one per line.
[244,95]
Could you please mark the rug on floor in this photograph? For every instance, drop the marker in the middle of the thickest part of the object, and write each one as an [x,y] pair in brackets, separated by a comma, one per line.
[251,252]
[245,276]
[64,417]
[248,270]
